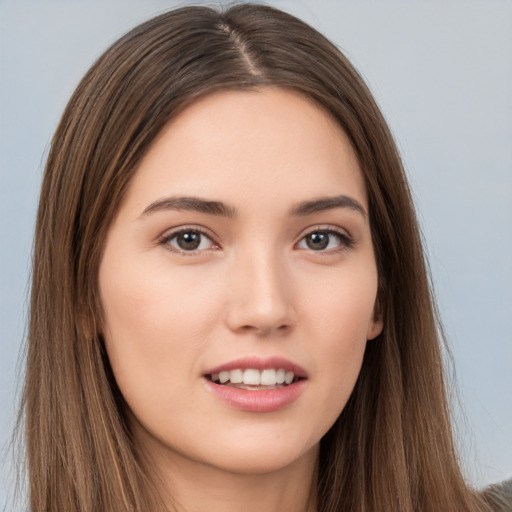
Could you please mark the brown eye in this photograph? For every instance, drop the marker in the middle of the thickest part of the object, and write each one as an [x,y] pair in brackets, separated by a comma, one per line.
[317,241]
[188,241]
[326,241]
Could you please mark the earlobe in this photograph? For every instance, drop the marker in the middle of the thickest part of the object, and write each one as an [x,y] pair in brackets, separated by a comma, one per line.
[376,324]
[374,329]
[87,324]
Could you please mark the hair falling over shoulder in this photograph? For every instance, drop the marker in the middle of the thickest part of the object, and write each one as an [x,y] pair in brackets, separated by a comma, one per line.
[391,449]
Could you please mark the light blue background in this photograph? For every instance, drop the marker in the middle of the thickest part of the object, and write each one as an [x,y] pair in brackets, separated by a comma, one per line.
[442,73]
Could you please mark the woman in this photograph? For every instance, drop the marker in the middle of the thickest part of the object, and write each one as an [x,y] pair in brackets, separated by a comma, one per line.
[230,305]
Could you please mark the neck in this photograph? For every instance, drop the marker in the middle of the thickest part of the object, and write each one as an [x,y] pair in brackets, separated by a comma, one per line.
[189,486]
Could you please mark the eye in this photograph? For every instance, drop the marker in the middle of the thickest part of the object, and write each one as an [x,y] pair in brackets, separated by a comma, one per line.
[188,240]
[325,240]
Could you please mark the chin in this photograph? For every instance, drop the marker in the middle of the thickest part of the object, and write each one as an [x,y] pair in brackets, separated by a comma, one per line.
[261,460]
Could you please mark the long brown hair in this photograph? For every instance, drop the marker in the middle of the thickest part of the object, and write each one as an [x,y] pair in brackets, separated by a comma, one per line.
[391,449]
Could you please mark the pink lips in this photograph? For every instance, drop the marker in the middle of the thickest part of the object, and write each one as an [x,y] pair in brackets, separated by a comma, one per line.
[261,400]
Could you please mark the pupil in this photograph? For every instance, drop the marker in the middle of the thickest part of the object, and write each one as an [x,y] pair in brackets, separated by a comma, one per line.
[317,241]
[189,241]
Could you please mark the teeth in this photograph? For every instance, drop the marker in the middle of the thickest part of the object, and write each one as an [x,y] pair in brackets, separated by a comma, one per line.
[253,377]
[268,378]
[236,376]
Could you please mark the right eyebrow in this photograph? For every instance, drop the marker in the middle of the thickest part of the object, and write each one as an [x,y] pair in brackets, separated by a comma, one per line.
[191,203]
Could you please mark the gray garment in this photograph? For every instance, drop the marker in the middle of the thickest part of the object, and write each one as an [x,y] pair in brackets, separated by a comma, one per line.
[499,496]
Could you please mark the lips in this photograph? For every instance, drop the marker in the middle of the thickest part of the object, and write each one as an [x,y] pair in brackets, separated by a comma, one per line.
[270,377]
[254,371]
[257,385]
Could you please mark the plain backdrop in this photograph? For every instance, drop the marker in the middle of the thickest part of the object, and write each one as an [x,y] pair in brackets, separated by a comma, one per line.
[442,73]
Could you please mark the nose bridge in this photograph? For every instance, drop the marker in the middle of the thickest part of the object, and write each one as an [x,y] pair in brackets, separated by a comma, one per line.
[261,297]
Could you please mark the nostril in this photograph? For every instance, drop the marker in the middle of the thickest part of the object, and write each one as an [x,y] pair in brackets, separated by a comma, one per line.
[259,318]
[266,330]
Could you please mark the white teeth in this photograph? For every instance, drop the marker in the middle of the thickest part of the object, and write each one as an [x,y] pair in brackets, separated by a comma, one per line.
[253,377]
[268,378]
[236,376]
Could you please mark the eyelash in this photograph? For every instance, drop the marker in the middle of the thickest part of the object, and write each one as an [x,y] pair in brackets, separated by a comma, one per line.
[345,241]
[166,239]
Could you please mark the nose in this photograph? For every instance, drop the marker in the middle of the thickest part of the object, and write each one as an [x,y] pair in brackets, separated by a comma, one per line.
[261,296]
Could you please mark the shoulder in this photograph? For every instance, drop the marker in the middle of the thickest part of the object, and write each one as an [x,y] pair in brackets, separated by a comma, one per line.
[499,496]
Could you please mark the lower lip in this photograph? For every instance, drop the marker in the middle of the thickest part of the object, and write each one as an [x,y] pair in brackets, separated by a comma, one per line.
[269,400]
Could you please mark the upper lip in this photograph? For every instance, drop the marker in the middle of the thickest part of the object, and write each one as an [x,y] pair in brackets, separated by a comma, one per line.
[260,363]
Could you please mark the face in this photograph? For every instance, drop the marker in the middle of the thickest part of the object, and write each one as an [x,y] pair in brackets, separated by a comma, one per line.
[238,283]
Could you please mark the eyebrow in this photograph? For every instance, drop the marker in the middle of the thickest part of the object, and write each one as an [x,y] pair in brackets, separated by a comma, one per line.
[196,204]
[329,203]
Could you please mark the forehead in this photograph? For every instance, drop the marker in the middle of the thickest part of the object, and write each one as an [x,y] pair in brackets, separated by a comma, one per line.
[264,142]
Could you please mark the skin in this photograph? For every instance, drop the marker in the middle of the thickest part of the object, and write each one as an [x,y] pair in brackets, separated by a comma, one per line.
[254,287]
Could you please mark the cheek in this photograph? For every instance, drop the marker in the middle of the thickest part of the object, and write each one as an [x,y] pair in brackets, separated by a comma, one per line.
[339,320]
[341,305]
[155,325]
[153,307]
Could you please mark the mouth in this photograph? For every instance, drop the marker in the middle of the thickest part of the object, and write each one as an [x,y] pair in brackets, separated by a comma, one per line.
[253,379]
[257,385]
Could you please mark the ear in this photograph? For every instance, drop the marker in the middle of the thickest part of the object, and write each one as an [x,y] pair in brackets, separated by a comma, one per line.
[374,328]
[87,323]
[84,325]
[376,322]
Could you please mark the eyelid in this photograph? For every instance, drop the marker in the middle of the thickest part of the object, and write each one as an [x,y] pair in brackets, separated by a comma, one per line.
[347,240]
[169,234]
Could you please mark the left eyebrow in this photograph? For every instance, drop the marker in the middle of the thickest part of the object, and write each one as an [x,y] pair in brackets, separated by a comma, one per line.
[329,203]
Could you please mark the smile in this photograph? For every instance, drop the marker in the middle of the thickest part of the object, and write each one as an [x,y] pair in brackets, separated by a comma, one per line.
[254,379]
[257,385]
